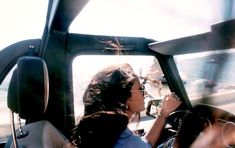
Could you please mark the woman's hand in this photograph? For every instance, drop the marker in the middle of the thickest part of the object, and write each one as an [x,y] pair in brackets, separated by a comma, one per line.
[218,136]
[169,104]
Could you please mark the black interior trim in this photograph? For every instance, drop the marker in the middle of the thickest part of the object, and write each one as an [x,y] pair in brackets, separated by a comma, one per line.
[11,53]
[62,13]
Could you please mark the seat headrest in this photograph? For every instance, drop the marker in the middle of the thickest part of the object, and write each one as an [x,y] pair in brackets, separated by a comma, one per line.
[29,88]
[12,93]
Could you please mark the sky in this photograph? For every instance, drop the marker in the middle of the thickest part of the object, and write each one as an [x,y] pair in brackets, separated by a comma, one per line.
[157,19]
[20,20]
[161,20]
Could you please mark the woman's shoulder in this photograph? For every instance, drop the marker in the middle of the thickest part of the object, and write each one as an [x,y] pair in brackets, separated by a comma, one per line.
[129,139]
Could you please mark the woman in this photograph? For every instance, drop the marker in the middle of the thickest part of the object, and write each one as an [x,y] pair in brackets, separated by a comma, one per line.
[112,98]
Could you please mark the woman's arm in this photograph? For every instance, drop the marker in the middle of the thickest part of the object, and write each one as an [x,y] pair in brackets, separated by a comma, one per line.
[169,104]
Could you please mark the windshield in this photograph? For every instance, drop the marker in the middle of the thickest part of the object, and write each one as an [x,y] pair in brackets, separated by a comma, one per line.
[21,20]
[211,77]
[156,19]
[146,67]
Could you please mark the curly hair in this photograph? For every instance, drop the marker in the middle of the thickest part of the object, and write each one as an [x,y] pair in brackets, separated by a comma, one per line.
[105,104]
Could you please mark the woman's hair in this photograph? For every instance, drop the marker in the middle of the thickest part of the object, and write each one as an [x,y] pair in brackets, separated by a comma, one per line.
[193,123]
[105,104]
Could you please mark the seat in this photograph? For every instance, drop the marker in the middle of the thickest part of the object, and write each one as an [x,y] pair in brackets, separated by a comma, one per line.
[28,97]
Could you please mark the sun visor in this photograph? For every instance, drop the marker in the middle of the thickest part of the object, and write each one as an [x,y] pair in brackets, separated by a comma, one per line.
[221,37]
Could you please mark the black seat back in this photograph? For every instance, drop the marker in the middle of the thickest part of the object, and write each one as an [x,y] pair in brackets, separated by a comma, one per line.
[28,97]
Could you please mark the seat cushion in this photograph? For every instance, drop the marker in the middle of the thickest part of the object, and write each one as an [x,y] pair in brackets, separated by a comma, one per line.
[41,134]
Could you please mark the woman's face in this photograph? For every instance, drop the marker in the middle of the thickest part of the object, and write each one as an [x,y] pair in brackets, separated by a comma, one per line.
[136,102]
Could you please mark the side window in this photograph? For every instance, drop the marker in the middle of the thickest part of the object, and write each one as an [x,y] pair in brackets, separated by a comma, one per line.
[5,129]
[85,67]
